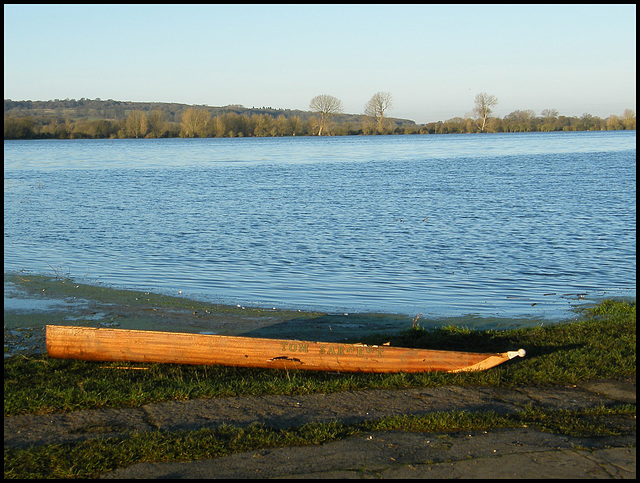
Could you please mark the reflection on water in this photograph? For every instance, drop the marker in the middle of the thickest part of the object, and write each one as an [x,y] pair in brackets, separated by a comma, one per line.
[506,225]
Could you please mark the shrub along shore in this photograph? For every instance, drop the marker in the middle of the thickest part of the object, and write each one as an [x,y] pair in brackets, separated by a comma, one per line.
[100,119]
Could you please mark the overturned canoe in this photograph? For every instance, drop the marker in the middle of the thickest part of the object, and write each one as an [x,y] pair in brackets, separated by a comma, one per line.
[91,344]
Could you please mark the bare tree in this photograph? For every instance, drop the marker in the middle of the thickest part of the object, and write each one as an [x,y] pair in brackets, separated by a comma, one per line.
[194,123]
[629,119]
[136,124]
[325,105]
[376,107]
[157,123]
[549,117]
[484,103]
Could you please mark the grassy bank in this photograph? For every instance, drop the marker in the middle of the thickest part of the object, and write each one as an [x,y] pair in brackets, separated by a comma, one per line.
[602,344]
[92,458]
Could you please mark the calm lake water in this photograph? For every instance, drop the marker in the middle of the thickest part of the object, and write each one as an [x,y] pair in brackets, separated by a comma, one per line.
[496,225]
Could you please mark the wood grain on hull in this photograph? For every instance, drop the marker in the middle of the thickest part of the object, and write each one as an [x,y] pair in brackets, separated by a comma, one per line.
[92,344]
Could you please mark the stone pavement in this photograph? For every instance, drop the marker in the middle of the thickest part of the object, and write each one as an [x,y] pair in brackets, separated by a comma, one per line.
[500,453]
[522,453]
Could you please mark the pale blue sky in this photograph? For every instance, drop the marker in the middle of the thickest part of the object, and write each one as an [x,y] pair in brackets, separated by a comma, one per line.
[433,59]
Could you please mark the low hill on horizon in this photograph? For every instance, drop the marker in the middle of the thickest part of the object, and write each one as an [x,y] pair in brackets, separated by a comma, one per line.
[93,109]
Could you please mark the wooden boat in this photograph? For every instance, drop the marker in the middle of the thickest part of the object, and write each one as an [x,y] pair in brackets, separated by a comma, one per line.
[91,344]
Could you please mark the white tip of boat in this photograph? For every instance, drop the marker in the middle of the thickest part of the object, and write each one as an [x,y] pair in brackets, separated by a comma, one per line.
[518,353]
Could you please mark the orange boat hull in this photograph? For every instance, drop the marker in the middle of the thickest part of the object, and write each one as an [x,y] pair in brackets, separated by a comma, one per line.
[91,344]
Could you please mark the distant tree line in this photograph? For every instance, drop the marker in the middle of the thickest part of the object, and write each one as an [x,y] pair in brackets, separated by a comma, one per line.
[527,121]
[98,119]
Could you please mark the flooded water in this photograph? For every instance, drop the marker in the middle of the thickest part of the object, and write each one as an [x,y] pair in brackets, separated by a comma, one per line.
[496,225]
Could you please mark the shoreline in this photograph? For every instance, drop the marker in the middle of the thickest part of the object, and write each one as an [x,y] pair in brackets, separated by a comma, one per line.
[33,301]
[568,409]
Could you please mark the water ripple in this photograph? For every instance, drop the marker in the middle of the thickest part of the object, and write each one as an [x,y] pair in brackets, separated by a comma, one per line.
[440,225]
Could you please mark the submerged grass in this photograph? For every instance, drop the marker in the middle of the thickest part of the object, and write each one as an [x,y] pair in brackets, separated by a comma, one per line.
[602,344]
[91,458]
[61,287]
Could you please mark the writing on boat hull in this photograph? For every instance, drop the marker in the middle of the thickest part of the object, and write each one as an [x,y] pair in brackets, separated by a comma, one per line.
[330,349]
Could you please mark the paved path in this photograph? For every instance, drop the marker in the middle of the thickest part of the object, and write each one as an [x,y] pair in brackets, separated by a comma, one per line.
[522,452]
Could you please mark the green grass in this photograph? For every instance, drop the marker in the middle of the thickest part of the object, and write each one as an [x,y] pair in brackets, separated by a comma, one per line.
[602,344]
[90,458]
